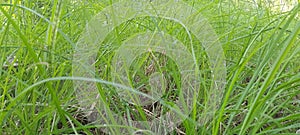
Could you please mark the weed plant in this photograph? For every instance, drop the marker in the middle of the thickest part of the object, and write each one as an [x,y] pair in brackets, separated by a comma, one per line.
[260,42]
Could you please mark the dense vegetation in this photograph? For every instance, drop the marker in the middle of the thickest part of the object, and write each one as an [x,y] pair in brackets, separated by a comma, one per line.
[260,40]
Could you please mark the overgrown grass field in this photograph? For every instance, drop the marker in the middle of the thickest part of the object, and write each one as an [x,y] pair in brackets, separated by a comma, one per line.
[38,93]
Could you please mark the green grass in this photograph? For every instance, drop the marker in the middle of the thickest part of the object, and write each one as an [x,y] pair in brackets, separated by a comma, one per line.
[38,39]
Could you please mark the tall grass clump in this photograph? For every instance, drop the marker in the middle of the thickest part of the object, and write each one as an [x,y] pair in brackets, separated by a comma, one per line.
[38,38]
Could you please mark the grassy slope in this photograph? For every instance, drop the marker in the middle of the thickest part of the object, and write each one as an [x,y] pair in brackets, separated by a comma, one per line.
[261,48]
